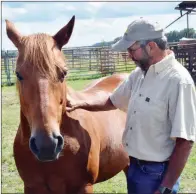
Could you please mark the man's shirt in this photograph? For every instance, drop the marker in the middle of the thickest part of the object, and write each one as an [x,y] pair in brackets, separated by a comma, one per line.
[161,106]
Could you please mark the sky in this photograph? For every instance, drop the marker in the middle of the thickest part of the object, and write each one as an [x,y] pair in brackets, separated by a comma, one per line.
[95,21]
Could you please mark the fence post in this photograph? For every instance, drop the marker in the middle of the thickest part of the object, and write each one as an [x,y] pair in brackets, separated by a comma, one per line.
[72,58]
[125,62]
[90,68]
[114,60]
[7,69]
[191,64]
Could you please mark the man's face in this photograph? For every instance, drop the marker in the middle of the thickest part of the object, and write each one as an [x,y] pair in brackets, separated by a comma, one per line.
[139,55]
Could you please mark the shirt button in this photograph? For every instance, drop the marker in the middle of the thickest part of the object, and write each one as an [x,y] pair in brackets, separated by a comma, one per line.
[126,144]
[130,128]
[140,95]
[134,112]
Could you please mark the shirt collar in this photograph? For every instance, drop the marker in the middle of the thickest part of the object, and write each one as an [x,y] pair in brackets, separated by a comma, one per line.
[164,63]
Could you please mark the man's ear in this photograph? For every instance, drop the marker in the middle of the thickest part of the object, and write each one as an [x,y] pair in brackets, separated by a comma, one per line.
[151,46]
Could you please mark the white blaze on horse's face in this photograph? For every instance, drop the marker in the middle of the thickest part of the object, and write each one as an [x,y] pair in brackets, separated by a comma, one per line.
[47,106]
[40,70]
[44,98]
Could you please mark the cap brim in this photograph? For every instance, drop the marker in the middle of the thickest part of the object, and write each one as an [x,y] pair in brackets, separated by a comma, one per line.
[122,45]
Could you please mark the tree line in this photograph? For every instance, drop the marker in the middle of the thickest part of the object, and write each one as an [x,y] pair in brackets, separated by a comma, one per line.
[175,36]
[172,36]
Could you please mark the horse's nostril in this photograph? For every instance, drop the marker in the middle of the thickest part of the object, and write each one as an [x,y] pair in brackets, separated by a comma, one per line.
[60,142]
[33,146]
[46,147]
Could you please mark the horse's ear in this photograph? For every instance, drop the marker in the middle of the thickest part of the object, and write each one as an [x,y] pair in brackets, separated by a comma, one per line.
[63,35]
[13,34]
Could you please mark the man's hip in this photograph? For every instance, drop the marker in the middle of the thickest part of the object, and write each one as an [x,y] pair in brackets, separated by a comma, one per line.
[145,177]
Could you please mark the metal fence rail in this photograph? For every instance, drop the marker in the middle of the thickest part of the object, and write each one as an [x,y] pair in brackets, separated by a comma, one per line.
[186,55]
[92,62]
[82,62]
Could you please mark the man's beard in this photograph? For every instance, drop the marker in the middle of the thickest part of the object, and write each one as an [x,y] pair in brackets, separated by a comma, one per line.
[144,62]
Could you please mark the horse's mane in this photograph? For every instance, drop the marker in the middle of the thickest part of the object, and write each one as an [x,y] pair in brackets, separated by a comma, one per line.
[40,54]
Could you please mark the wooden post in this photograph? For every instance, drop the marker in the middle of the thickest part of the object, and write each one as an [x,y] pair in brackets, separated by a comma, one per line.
[72,58]
[7,69]
[126,56]
[114,60]
[90,59]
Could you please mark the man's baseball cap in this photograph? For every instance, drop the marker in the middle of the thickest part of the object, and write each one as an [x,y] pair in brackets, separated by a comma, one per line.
[140,29]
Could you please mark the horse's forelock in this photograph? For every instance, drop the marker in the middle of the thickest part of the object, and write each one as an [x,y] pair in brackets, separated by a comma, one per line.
[39,53]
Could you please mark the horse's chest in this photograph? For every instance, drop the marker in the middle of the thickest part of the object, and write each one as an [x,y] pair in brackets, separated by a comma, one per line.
[71,163]
[71,144]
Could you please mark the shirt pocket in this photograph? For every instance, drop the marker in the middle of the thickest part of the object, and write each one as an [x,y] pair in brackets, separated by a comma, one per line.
[158,109]
[152,110]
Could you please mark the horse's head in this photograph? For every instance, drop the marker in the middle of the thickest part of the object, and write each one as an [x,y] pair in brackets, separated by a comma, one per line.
[40,70]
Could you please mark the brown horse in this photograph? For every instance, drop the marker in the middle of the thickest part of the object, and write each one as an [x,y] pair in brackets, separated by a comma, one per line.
[57,152]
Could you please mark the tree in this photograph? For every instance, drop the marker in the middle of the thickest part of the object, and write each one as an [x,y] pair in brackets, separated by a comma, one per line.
[188,33]
[175,36]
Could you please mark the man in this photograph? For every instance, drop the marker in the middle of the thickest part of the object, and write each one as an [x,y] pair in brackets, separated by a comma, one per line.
[160,99]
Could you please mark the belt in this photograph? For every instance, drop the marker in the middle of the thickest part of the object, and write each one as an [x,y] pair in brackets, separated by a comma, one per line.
[144,161]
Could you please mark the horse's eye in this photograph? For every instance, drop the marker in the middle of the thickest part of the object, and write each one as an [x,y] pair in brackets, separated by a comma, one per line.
[63,75]
[20,78]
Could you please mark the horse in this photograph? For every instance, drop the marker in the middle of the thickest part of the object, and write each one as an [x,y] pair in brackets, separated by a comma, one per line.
[56,151]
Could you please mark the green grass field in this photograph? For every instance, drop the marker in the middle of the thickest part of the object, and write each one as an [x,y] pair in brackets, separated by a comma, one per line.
[11,182]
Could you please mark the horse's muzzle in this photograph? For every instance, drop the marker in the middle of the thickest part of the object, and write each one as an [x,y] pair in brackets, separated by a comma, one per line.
[46,148]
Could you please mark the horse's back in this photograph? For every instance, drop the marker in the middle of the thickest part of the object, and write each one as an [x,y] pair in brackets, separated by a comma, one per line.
[100,88]
[107,84]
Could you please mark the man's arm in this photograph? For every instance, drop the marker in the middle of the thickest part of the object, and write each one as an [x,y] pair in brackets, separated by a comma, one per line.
[103,104]
[118,99]
[182,114]
[177,162]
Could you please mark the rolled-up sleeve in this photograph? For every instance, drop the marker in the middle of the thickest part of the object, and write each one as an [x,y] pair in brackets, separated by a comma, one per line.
[121,95]
[182,112]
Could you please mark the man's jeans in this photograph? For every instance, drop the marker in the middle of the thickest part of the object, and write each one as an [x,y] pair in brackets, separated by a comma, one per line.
[145,178]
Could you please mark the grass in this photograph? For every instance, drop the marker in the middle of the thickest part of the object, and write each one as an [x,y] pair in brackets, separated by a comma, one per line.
[11,182]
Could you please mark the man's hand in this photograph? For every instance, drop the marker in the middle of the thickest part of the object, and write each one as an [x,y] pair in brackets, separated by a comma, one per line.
[72,105]
[100,104]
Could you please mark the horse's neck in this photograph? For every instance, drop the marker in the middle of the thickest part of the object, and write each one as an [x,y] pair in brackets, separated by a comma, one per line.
[70,125]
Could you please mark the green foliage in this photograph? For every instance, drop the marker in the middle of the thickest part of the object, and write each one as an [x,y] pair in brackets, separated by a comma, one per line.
[175,36]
